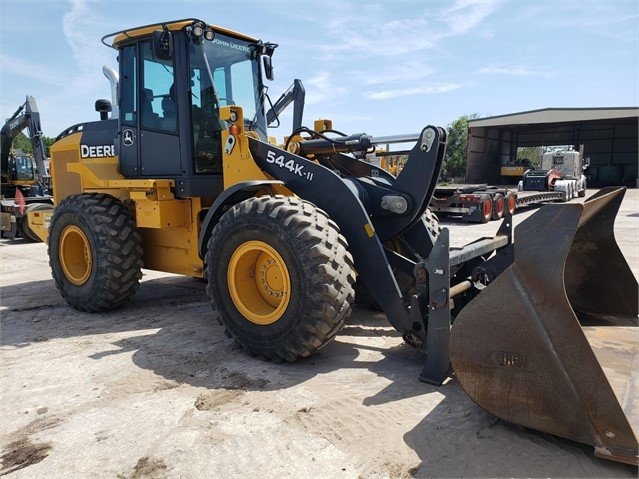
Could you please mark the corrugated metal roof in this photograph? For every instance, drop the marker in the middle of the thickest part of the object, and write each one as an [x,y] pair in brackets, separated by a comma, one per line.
[557,115]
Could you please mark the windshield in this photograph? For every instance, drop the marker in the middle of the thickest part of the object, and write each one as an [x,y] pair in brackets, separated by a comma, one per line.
[226,69]
[24,168]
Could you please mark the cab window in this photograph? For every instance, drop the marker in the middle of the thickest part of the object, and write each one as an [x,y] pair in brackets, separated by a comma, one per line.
[128,85]
[157,96]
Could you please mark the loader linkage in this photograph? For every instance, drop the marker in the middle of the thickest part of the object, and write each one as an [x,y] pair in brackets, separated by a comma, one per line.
[492,289]
[356,195]
[433,278]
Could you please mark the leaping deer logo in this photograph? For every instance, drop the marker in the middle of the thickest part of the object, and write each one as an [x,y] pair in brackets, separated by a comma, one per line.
[128,137]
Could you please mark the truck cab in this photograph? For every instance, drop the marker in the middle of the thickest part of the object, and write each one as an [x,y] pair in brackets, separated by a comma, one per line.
[562,169]
[569,163]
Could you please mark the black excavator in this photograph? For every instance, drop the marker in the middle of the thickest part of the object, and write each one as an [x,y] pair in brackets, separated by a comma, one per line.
[26,183]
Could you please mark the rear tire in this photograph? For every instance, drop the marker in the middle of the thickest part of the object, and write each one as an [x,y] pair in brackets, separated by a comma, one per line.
[279,276]
[95,252]
[582,192]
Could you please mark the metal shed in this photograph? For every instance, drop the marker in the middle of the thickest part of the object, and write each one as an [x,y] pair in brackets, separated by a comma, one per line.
[609,136]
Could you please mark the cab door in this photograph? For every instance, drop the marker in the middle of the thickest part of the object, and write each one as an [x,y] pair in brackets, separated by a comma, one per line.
[159,149]
[149,140]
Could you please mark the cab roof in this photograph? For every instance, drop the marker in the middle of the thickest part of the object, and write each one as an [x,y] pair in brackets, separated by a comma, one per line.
[173,25]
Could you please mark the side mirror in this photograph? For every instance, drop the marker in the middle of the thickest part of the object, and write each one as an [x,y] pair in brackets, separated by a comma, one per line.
[163,45]
[267,67]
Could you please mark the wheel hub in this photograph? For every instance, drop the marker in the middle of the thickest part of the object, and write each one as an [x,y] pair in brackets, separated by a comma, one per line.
[75,255]
[259,282]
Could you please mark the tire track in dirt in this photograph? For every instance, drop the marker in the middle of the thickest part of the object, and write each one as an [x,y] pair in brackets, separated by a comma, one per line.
[148,468]
[358,429]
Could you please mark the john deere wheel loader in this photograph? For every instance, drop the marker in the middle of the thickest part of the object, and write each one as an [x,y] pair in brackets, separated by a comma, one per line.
[182,179]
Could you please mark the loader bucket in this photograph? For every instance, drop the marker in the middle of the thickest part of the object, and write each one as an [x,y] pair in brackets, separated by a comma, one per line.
[552,343]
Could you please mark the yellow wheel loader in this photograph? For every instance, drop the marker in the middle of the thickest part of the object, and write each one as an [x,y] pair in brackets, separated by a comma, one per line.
[181,178]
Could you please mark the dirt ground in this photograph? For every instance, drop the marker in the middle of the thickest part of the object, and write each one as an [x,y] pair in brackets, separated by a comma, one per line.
[156,390]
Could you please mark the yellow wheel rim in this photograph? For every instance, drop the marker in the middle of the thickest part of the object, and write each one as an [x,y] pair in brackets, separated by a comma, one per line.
[75,255]
[259,282]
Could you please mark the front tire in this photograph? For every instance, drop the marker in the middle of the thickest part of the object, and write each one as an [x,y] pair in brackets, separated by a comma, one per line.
[95,252]
[280,277]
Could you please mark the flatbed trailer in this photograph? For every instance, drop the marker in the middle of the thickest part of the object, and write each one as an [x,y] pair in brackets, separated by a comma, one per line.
[480,203]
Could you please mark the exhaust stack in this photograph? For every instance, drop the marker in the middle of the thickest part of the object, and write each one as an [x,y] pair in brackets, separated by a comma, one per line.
[114,79]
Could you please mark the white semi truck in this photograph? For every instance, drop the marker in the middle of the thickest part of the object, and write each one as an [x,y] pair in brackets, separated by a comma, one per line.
[561,170]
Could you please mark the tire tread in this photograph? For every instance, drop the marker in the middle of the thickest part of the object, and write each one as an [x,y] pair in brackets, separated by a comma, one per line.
[119,252]
[330,285]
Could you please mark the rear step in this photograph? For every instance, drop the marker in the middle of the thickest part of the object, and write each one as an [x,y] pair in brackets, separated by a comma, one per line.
[552,343]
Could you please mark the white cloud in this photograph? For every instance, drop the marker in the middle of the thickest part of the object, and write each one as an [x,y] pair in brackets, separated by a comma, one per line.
[421,90]
[321,88]
[372,34]
[515,70]
[608,19]
[405,72]
[466,15]
[383,39]
[34,70]
[82,28]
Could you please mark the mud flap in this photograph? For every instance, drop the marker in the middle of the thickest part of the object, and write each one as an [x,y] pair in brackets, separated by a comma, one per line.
[552,344]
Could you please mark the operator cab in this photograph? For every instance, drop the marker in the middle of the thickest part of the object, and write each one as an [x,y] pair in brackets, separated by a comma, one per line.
[172,85]
[22,168]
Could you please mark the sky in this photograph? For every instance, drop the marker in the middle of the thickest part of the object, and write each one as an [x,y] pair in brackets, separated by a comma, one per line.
[376,67]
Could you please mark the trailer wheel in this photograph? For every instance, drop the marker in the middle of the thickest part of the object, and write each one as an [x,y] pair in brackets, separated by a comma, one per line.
[280,277]
[511,203]
[498,207]
[486,209]
[95,252]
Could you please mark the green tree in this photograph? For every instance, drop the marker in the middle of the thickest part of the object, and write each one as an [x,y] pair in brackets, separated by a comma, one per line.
[530,153]
[456,150]
[48,141]
[22,142]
